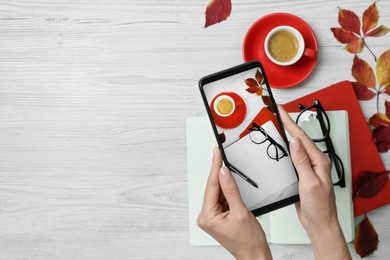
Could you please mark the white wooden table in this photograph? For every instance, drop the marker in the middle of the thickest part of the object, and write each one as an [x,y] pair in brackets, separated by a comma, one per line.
[93,101]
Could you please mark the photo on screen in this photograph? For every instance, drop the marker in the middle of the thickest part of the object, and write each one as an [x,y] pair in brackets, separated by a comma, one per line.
[251,138]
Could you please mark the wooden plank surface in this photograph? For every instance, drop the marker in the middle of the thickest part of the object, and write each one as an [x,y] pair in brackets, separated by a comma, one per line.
[93,101]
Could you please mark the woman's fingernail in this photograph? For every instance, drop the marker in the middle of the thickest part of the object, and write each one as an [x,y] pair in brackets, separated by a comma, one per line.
[295,144]
[225,173]
[215,149]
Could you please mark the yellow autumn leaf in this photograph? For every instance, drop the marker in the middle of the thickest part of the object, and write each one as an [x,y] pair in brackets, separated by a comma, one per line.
[383,68]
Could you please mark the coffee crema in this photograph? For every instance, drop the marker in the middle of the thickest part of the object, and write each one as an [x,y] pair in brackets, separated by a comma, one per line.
[283,46]
[225,106]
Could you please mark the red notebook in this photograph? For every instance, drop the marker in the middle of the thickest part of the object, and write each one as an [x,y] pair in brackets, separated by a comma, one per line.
[364,154]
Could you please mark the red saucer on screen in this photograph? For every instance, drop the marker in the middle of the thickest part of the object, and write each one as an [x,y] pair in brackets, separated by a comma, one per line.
[279,76]
[236,118]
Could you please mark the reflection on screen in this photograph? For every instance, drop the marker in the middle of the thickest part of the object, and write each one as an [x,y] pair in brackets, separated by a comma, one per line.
[251,137]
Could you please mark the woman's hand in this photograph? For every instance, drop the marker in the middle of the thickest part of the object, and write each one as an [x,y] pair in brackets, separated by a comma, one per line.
[225,217]
[317,207]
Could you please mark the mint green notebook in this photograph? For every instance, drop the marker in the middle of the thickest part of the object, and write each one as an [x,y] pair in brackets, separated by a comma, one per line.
[281,226]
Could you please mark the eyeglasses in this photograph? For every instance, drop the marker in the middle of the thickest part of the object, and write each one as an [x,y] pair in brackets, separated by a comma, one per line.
[258,135]
[315,122]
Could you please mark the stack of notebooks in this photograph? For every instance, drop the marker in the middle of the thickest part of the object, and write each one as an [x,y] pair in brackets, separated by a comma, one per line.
[283,226]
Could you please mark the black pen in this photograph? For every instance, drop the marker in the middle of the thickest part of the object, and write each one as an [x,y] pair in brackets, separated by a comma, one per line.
[246,178]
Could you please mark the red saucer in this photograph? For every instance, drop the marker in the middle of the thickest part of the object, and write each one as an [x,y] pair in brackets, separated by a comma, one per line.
[279,76]
[234,119]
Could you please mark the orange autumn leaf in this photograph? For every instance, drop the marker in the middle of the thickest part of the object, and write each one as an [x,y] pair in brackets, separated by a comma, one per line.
[377,32]
[366,238]
[259,77]
[363,72]
[370,18]
[349,21]
[259,92]
[355,46]
[343,36]
[383,68]
[362,91]
[217,11]
[250,82]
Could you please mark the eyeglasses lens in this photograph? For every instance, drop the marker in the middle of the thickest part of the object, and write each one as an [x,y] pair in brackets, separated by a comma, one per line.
[310,122]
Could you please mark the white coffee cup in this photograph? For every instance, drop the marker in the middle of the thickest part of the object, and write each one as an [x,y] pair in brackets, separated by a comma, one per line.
[221,98]
[299,46]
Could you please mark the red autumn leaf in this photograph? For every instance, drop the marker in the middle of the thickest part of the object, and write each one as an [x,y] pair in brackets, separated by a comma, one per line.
[251,82]
[381,136]
[383,68]
[268,102]
[355,46]
[377,32]
[217,11]
[222,137]
[259,77]
[366,238]
[364,177]
[370,18]
[379,119]
[362,91]
[368,184]
[383,147]
[343,36]
[259,92]
[252,90]
[349,21]
[387,106]
[363,72]
[387,89]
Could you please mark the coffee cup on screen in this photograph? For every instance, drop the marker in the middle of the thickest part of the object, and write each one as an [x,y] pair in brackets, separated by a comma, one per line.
[224,105]
[284,45]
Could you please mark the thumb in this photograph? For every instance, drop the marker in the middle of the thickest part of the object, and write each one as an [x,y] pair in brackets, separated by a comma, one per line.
[230,189]
[301,161]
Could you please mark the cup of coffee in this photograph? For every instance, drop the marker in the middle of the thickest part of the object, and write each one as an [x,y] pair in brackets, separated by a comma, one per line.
[224,105]
[284,45]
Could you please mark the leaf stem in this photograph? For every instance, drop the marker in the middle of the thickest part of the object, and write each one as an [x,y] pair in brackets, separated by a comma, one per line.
[369,49]
[377,101]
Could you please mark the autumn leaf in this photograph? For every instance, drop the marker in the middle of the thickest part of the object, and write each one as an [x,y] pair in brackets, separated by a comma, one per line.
[222,137]
[268,102]
[217,11]
[368,184]
[387,89]
[381,135]
[383,68]
[363,72]
[250,82]
[379,119]
[343,36]
[387,106]
[380,31]
[259,92]
[259,77]
[252,90]
[362,91]
[370,18]
[350,34]
[349,21]
[366,238]
[354,46]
